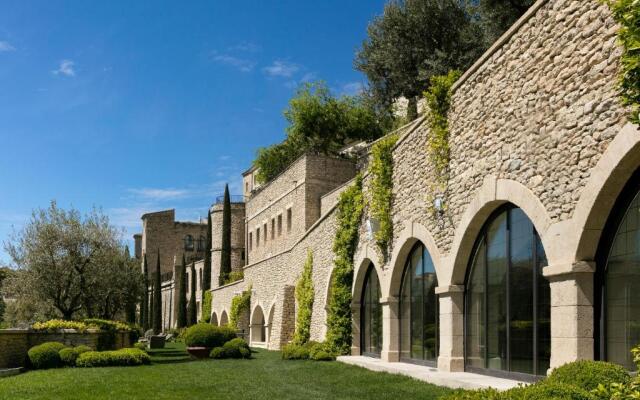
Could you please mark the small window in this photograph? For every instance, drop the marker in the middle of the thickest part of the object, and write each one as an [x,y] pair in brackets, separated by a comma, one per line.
[279,225]
[265,232]
[200,279]
[289,221]
[188,277]
[258,237]
[250,241]
[246,187]
[242,255]
[188,243]
[202,242]
[273,228]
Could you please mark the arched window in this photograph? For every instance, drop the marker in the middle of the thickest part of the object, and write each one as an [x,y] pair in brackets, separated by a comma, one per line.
[507,302]
[258,329]
[188,242]
[618,279]
[419,308]
[371,315]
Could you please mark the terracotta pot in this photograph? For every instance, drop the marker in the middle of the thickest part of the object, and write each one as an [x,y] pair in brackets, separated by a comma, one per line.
[199,352]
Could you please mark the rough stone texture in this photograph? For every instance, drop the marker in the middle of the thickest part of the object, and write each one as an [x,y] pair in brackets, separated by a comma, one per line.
[237,239]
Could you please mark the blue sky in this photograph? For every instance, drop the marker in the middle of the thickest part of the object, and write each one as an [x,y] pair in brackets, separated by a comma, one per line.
[135,106]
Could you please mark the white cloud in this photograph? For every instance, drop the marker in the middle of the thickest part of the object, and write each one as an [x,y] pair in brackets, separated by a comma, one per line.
[352,88]
[66,68]
[248,47]
[281,69]
[160,194]
[6,46]
[235,62]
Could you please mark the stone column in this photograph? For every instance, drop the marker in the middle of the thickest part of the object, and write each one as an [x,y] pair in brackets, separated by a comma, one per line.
[451,356]
[572,302]
[390,329]
[355,328]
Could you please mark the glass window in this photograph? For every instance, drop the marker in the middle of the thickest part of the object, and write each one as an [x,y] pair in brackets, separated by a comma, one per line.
[258,237]
[419,308]
[289,220]
[273,228]
[279,225]
[264,226]
[507,303]
[188,242]
[371,315]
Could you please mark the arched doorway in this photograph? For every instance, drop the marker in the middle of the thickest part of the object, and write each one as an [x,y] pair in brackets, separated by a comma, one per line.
[618,279]
[371,315]
[257,328]
[214,319]
[419,308]
[507,300]
[224,319]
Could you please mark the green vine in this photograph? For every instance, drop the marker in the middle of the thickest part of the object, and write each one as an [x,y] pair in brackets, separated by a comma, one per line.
[304,297]
[239,304]
[206,306]
[381,190]
[627,15]
[349,215]
[438,99]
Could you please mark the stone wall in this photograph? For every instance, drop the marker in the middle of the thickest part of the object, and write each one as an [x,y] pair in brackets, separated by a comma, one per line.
[238,252]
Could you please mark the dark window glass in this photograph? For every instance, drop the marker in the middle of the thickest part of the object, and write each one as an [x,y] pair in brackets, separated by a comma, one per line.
[371,315]
[508,300]
[188,243]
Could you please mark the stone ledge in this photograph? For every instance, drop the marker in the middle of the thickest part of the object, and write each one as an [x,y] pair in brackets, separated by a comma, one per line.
[566,269]
[449,289]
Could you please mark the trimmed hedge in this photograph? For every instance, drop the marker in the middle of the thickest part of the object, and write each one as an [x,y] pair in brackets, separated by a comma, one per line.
[234,348]
[207,335]
[308,351]
[116,358]
[589,374]
[140,346]
[46,355]
[69,355]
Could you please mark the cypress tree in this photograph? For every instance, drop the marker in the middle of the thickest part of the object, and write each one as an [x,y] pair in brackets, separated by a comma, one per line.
[144,307]
[225,251]
[157,300]
[192,314]
[182,294]
[206,273]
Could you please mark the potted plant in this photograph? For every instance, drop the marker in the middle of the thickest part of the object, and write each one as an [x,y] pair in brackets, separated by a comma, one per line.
[201,338]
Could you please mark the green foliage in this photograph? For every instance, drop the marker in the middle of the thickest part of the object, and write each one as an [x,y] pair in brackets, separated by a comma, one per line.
[206,273]
[349,215]
[304,297]
[115,358]
[438,99]
[542,390]
[381,190]
[319,123]
[192,310]
[206,306]
[234,276]
[140,346]
[69,355]
[144,307]
[157,298]
[239,304]
[181,319]
[207,335]
[481,394]
[225,248]
[54,325]
[414,40]
[624,388]
[588,374]
[496,16]
[235,348]
[106,325]
[308,351]
[627,15]
[45,355]
[217,353]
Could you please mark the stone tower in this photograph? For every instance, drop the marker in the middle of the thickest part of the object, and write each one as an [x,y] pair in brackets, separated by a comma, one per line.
[238,255]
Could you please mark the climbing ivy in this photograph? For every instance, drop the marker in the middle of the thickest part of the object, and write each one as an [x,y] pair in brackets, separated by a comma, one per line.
[627,15]
[239,304]
[304,297]
[438,99]
[206,306]
[349,215]
[381,189]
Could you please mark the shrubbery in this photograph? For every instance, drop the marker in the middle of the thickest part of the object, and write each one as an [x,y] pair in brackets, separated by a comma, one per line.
[57,324]
[235,348]
[308,351]
[589,374]
[140,346]
[46,355]
[206,335]
[69,355]
[116,358]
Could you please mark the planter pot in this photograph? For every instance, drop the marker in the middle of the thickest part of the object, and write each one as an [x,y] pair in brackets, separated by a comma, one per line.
[156,342]
[199,352]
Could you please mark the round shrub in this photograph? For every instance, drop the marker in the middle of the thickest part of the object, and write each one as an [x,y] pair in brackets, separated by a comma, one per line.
[322,356]
[68,356]
[116,358]
[480,394]
[237,348]
[217,353]
[549,391]
[45,355]
[587,374]
[320,352]
[140,346]
[295,352]
[207,335]
[82,349]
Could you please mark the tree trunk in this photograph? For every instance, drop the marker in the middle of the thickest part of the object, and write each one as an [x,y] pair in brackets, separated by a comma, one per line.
[412,109]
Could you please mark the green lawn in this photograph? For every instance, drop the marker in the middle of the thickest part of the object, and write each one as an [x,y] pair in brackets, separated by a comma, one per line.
[170,377]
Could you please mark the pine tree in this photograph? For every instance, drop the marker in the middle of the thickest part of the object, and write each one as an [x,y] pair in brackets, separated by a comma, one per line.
[182,294]
[225,251]
[192,313]
[157,300]
[206,273]
[132,294]
[144,306]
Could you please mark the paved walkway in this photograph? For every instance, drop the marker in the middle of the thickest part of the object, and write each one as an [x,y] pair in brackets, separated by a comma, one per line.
[454,380]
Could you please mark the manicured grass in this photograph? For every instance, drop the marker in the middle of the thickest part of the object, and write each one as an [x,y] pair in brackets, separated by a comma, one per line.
[264,377]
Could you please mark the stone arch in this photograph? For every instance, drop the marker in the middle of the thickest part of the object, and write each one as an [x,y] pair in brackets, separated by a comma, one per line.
[492,194]
[361,263]
[224,318]
[257,327]
[608,178]
[412,233]
[214,319]
[270,322]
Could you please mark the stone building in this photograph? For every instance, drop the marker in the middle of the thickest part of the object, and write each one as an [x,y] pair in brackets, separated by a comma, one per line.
[527,261]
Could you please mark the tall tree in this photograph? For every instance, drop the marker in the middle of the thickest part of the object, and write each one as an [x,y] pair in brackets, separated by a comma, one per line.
[496,16]
[206,274]
[412,41]
[133,287]
[182,294]
[144,306]
[192,311]
[225,251]
[157,299]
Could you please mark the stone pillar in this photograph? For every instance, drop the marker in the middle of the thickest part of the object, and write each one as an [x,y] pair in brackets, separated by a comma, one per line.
[451,356]
[390,329]
[572,302]
[355,328]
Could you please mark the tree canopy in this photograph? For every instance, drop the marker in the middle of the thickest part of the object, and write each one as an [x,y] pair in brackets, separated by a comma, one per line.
[318,122]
